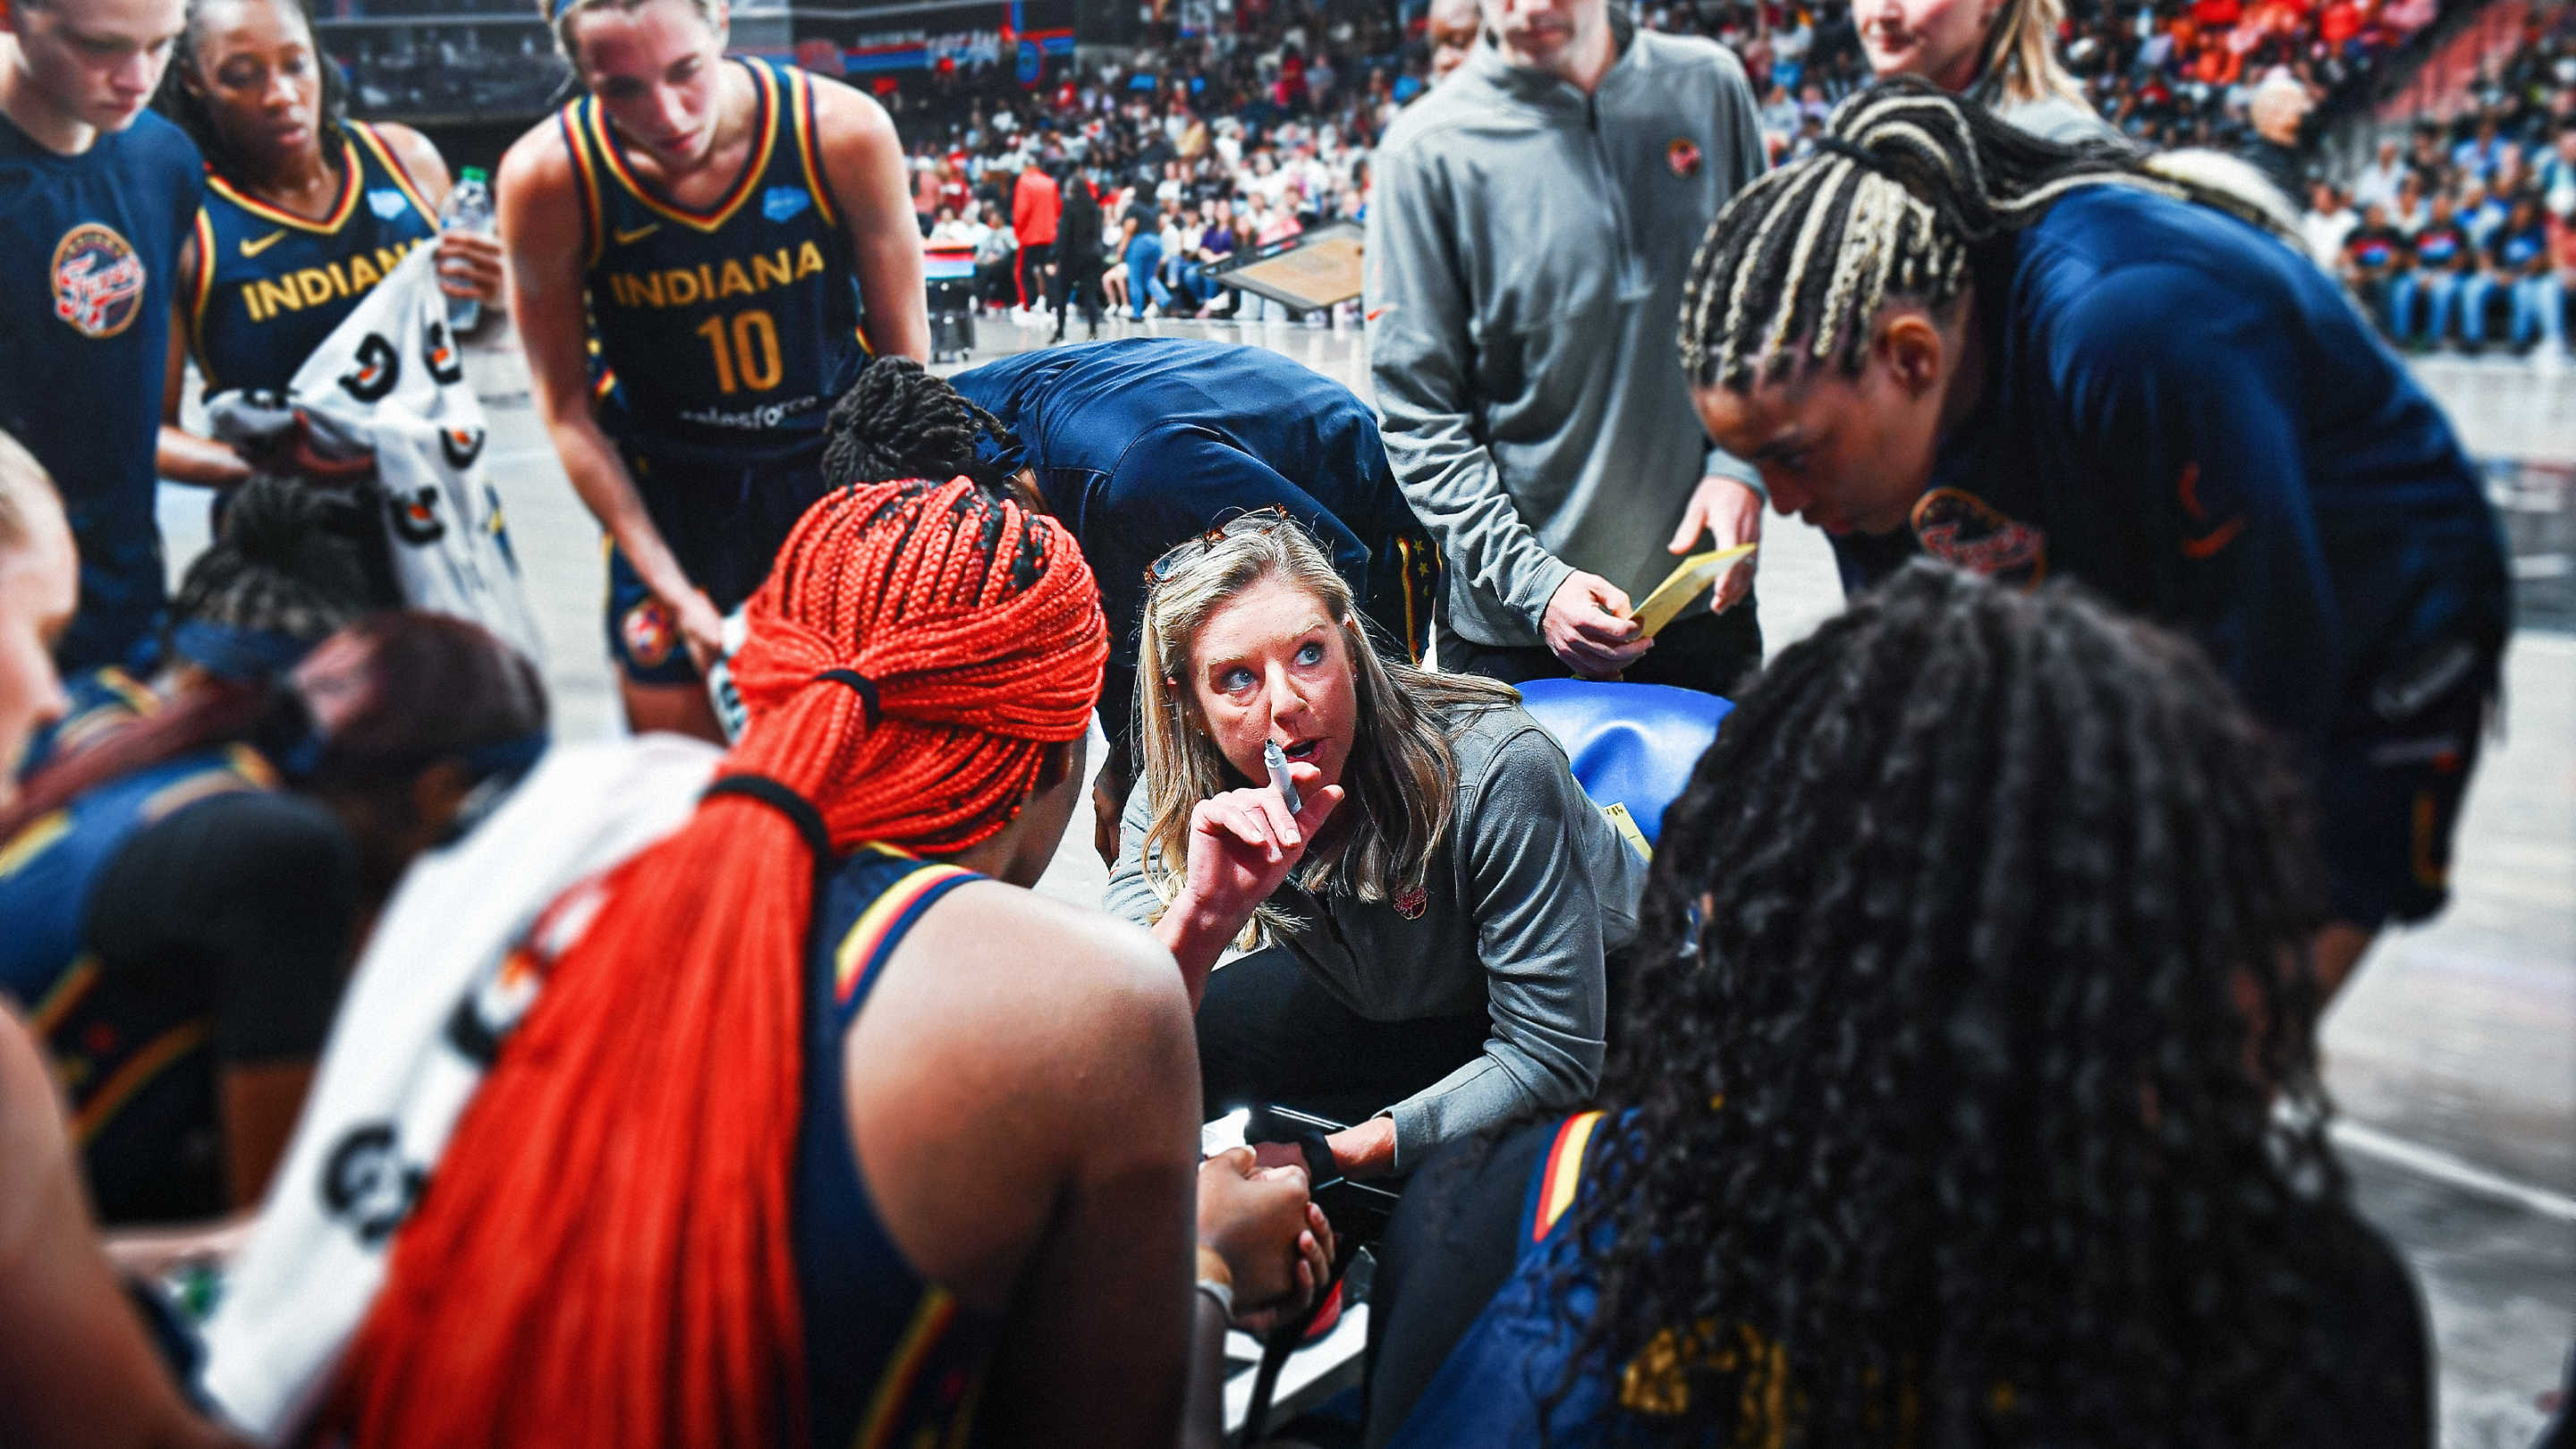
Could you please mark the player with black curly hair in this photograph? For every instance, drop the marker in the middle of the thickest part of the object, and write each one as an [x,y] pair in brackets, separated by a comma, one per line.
[1966,1091]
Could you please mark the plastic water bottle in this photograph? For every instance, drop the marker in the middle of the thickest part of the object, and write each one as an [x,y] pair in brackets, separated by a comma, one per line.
[468,208]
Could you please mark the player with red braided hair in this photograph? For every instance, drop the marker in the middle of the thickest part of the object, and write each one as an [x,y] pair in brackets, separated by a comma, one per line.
[704,1199]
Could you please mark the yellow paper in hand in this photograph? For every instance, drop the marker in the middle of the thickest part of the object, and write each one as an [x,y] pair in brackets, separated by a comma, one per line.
[1694,576]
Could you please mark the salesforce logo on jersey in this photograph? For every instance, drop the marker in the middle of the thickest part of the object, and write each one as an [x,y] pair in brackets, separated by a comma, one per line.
[782,203]
[386,203]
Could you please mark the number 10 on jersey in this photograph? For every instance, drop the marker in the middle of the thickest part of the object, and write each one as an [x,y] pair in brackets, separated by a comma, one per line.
[746,350]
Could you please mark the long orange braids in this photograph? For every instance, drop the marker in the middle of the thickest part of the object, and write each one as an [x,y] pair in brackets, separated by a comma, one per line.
[602,1258]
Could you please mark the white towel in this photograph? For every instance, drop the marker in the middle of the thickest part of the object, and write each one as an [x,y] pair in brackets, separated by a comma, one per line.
[390,379]
[428,1001]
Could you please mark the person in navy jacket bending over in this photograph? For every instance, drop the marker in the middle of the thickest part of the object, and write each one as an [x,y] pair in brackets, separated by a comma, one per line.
[2052,361]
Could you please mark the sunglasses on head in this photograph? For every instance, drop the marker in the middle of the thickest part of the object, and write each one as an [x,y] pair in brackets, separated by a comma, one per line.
[1265,519]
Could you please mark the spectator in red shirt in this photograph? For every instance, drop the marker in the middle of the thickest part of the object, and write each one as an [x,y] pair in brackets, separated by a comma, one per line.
[1036,206]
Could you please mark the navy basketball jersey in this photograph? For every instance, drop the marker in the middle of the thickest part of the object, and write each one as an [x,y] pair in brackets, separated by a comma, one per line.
[89,245]
[270,285]
[136,1064]
[95,703]
[730,331]
[891,1359]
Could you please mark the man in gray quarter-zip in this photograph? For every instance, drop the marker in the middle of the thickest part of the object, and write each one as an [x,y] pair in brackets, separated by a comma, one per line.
[1533,220]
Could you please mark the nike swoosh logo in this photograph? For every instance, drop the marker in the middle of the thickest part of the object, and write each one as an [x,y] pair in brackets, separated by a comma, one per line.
[625,237]
[254,248]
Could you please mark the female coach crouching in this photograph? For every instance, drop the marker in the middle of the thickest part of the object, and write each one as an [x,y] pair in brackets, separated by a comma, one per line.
[1433,919]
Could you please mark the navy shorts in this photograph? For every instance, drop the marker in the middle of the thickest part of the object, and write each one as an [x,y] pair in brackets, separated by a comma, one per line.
[725,520]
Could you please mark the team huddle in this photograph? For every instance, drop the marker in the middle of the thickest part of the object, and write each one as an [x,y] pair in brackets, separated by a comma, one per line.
[1906,1039]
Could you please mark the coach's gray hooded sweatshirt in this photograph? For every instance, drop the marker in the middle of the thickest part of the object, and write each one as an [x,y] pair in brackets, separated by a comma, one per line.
[1527,246]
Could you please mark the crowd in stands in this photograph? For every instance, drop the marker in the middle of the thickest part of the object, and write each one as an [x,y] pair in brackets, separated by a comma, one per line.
[1203,146]
[2464,234]
[765,1101]
[1251,132]
[472,70]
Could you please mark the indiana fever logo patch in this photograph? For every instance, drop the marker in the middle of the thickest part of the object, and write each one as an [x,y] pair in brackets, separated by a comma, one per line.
[98,281]
[1682,154]
[1965,530]
[648,633]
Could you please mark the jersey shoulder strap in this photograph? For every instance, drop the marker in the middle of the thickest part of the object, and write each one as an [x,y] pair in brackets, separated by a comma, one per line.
[1554,1182]
[376,157]
[897,889]
[807,135]
[574,120]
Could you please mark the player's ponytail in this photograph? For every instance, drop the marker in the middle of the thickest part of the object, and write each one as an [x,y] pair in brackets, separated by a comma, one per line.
[1908,187]
[603,1256]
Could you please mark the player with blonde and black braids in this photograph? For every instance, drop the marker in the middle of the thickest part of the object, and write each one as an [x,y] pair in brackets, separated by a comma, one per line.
[2051,361]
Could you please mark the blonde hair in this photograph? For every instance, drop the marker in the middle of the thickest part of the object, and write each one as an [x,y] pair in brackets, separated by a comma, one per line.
[26,493]
[560,14]
[2021,54]
[1401,780]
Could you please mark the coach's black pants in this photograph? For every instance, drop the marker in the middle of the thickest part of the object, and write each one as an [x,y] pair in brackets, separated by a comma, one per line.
[1270,1033]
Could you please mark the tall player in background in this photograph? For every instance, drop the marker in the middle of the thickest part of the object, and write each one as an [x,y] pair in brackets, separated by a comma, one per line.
[94,197]
[306,211]
[739,238]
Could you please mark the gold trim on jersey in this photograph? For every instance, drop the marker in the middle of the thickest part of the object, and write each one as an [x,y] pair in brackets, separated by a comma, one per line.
[930,1320]
[136,1074]
[400,173]
[66,993]
[603,145]
[351,184]
[593,212]
[203,286]
[800,90]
